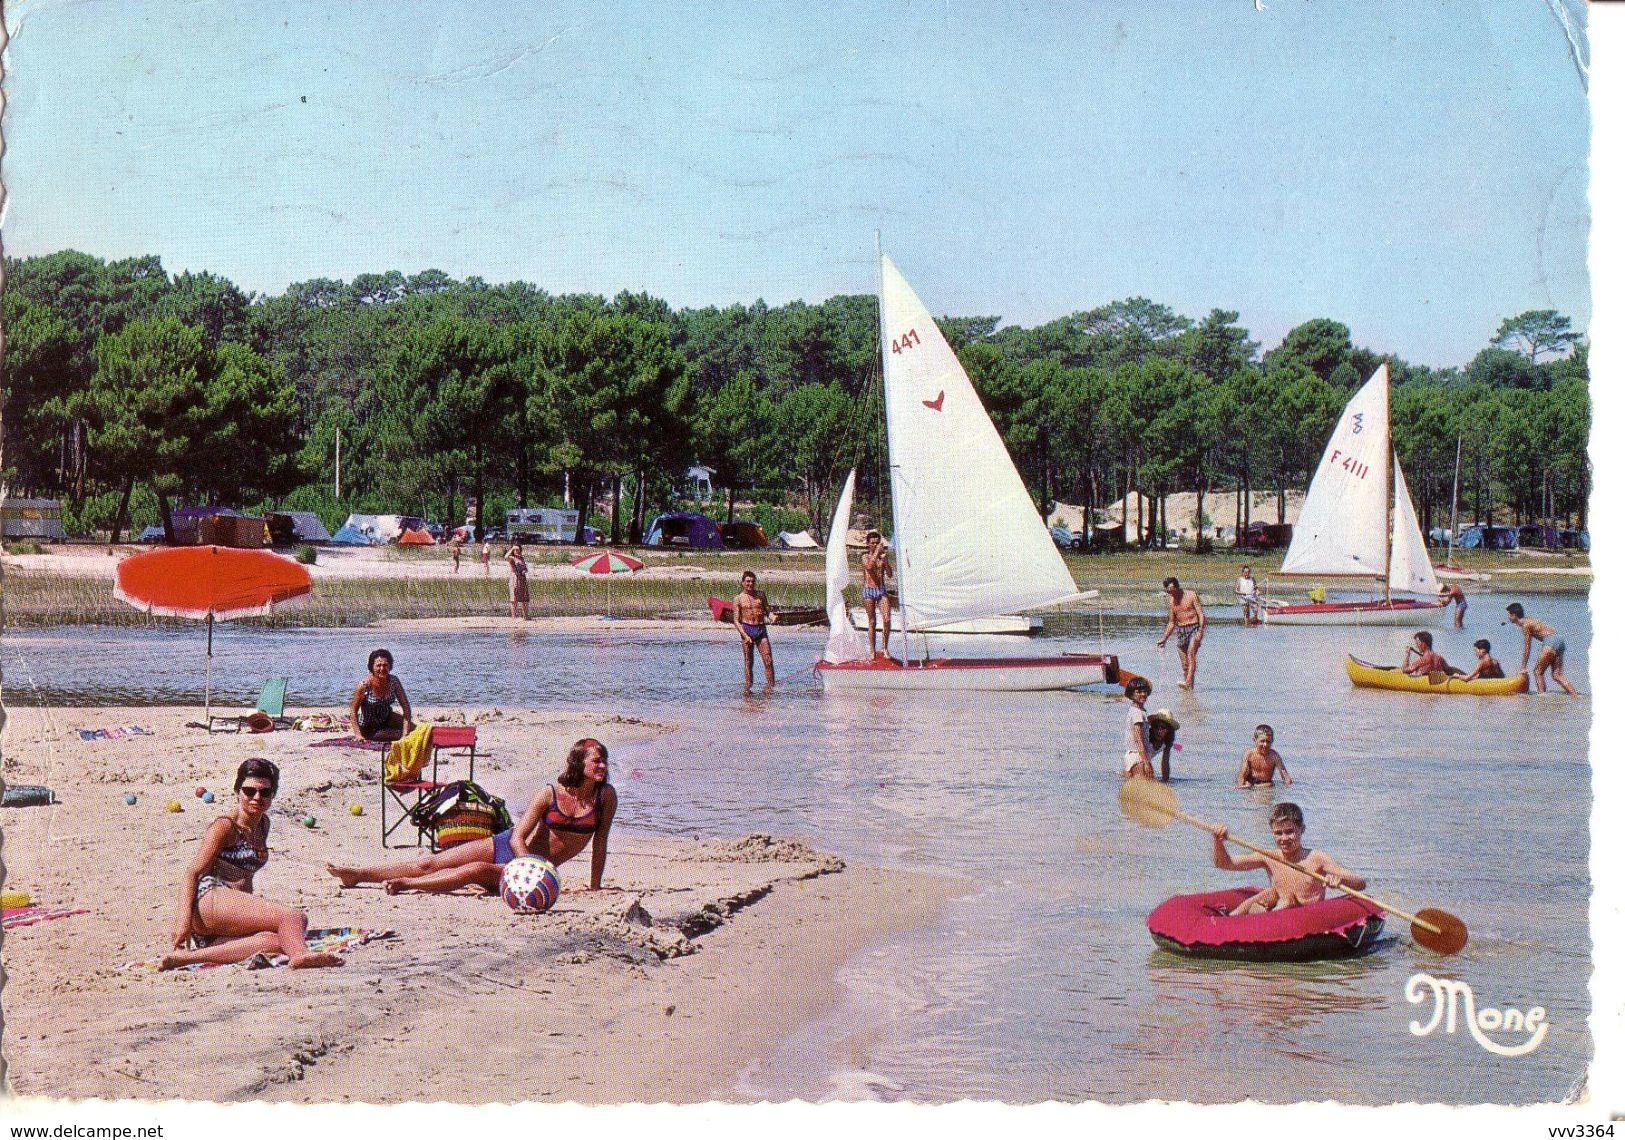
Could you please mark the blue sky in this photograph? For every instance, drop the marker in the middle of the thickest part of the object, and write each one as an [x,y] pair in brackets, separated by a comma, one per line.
[1416,170]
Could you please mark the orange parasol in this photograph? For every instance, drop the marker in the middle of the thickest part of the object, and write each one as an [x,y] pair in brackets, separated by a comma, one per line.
[206,583]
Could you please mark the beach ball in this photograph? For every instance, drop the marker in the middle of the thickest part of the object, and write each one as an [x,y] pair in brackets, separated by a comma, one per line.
[530,885]
[129,797]
[208,797]
[355,809]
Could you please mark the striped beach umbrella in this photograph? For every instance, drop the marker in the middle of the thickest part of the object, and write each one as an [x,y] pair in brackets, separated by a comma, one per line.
[608,563]
[210,583]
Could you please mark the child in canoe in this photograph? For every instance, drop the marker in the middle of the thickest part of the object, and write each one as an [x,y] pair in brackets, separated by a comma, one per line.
[1487,668]
[1288,887]
[1259,766]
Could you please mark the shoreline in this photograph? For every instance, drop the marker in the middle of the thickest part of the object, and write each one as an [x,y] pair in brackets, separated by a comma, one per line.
[697,960]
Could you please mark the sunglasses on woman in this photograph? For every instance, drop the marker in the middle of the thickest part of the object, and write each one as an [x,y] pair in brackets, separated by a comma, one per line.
[257,791]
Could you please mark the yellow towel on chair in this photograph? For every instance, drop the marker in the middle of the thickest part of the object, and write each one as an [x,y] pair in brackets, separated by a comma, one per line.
[407,756]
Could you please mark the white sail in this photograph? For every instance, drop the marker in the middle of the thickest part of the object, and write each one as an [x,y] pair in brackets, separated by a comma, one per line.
[1343,529]
[1409,569]
[968,541]
[845,643]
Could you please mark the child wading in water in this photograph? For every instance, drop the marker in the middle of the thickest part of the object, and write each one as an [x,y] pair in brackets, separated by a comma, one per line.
[1259,765]
[1288,887]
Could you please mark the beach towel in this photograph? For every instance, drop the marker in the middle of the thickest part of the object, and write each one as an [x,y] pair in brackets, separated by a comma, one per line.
[326,940]
[29,915]
[345,742]
[407,756]
[118,733]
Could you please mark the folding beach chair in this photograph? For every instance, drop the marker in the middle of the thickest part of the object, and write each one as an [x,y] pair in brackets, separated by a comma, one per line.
[408,794]
[273,700]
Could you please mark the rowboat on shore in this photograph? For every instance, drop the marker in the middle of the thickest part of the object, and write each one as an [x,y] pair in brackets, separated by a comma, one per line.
[1368,676]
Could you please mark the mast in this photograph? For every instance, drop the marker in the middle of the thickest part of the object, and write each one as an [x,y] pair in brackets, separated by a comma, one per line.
[1388,474]
[891,451]
[1455,494]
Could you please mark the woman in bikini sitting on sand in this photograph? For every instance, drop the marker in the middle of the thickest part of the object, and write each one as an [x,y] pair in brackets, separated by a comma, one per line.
[557,825]
[220,919]
[372,708]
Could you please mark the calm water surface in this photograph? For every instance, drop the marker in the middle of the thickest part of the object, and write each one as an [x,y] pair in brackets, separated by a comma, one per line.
[1043,982]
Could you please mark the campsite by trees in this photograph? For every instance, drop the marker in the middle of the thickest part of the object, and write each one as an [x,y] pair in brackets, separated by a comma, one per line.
[129,390]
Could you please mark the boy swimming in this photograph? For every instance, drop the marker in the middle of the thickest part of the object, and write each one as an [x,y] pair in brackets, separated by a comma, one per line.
[1289,886]
[1259,765]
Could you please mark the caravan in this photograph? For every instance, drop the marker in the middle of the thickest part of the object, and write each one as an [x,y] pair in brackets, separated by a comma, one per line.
[542,524]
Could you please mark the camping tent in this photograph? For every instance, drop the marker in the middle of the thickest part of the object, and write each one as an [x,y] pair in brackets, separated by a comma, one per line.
[307,527]
[684,528]
[801,540]
[742,535]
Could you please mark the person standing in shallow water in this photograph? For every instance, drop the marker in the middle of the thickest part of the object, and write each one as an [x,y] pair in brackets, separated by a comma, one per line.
[518,583]
[1551,650]
[1185,618]
[751,619]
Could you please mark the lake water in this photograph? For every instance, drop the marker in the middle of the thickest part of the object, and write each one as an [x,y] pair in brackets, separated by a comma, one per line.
[1043,982]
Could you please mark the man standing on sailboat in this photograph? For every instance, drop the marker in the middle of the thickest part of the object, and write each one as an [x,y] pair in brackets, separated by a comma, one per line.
[876,566]
[1185,617]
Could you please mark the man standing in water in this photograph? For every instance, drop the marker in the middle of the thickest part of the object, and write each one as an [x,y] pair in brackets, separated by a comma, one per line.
[876,566]
[1551,650]
[751,619]
[1185,617]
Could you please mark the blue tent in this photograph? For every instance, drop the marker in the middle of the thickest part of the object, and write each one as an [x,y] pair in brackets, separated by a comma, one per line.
[684,528]
[349,536]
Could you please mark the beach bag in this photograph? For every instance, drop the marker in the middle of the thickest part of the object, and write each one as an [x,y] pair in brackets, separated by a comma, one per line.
[461,812]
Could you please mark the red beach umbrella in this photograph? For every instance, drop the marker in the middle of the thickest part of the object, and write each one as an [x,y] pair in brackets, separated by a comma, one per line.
[206,583]
[607,562]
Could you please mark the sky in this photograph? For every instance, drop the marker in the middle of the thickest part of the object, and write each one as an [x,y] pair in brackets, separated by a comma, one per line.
[1416,170]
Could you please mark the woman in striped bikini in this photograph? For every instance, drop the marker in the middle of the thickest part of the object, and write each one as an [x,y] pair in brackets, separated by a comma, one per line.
[220,918]
[557,826]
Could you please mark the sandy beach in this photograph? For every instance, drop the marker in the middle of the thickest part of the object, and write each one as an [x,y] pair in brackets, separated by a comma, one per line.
[698,957]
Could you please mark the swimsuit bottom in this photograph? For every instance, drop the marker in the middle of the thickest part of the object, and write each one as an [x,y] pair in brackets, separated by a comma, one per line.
[873,593]
[502,848]
[1557,645]
[1186,632]
[753,631]
[206,883]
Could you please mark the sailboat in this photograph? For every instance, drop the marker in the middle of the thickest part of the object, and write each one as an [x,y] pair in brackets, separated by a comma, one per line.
[968,542]
[1358,522]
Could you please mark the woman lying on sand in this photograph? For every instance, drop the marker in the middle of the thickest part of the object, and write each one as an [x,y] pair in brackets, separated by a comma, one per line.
[557,825]
[219,919]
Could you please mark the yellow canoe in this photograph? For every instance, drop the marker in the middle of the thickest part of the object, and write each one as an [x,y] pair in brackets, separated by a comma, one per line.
[1368,676]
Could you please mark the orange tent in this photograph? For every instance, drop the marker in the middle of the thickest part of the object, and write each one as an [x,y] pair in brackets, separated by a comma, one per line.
[416,538]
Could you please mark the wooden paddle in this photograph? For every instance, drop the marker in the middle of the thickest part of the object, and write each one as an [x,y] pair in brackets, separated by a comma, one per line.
[1154,804]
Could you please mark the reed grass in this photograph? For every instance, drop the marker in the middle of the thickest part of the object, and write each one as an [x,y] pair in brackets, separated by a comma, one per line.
[1128,580]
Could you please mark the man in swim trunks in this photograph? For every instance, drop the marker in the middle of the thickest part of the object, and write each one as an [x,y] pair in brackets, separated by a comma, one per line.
[876,566]
[751,618]
[1247,591]
[1450,592]
[1288,887]
[1427,661]
[1185,617]
[1551,652]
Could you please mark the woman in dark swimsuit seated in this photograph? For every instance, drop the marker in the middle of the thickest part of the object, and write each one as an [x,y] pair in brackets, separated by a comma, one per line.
[372,708]
[557,825]
[220,919]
